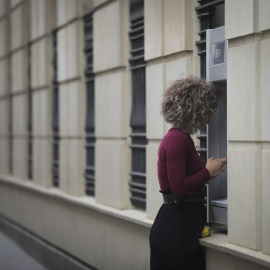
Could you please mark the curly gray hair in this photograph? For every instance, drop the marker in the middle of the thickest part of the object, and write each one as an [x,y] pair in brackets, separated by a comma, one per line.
[187,101]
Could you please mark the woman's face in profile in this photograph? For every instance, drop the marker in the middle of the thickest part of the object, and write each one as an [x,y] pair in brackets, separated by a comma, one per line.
[206,119]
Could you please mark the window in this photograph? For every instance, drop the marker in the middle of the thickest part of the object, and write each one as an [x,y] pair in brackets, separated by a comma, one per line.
[89,173]
[55,114]
[10,119]
[30,136]
[138,112]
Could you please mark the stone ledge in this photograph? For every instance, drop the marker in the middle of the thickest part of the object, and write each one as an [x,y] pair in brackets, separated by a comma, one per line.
[219,241]
[132,215]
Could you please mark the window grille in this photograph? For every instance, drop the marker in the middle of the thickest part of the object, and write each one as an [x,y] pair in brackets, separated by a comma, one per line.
[55,114]
[10,118]
[205,12]
[138,113]
[30,136]
[89,173]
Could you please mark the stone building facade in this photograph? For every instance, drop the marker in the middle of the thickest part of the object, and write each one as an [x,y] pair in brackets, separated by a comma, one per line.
[80,90]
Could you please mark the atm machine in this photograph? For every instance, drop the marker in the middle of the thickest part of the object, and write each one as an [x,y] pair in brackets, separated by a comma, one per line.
[216,71]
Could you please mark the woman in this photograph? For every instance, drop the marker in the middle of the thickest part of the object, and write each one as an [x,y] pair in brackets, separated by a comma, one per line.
[188,104]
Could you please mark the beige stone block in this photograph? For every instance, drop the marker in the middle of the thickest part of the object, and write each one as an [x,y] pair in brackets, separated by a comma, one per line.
[70,52]
[76,166]
[61,12]
[154,92]
[87,6]
[63,110]
[265,94]
[34,65]
[4,117]
[68,10]
[3,7]
[19,158]
[178,26]
[112,164]
[264,20]
[97,3]
[41,113]
[3,77]
[240,18]
[76,108]
[177,68]
[40,61]
[154,198]
[62,49]
[19,115]
[72,109]
[110,36]
[72,163]
[74,9]
[42,162]
[39,18]
[13,3]
[63,165]
[111,112]
[74,44]
[4,155]
[19,71]
[245,195]
[243,93]
[265,199]
[4,37]
[18,26]
[153,29]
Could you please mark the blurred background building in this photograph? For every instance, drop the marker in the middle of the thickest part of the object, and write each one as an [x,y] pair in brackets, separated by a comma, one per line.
[80,88]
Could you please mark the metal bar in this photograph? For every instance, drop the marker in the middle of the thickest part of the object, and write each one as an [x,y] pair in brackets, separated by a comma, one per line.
[140,191]
[137,146]
[136,58]
[212,4]
[137,135]
[201,42]
[138,67]
[137,174]
[136,37]
[207,14]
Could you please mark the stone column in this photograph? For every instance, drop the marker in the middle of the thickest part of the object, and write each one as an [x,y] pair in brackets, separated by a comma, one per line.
[41,19]
[264,27]
[168,52]
[112,99]
[71,96]
[248,129]
[18,20]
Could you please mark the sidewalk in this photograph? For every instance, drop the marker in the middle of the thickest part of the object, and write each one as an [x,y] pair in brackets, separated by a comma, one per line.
[12,257]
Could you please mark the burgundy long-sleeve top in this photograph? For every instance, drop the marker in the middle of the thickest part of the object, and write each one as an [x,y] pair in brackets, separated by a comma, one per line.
[180,168]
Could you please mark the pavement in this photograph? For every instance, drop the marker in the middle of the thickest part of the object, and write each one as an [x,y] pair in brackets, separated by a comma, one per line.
[12,257]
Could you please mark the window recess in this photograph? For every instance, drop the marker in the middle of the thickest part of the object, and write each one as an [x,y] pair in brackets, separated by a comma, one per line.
[213,139]
[55,114]
[89,173]
[30,123]
[10,118]
[137,184]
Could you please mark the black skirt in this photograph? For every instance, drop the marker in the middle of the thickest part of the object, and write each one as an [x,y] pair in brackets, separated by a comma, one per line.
[174,237]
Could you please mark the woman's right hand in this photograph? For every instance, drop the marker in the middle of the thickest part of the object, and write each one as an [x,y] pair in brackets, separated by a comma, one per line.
[216,166]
